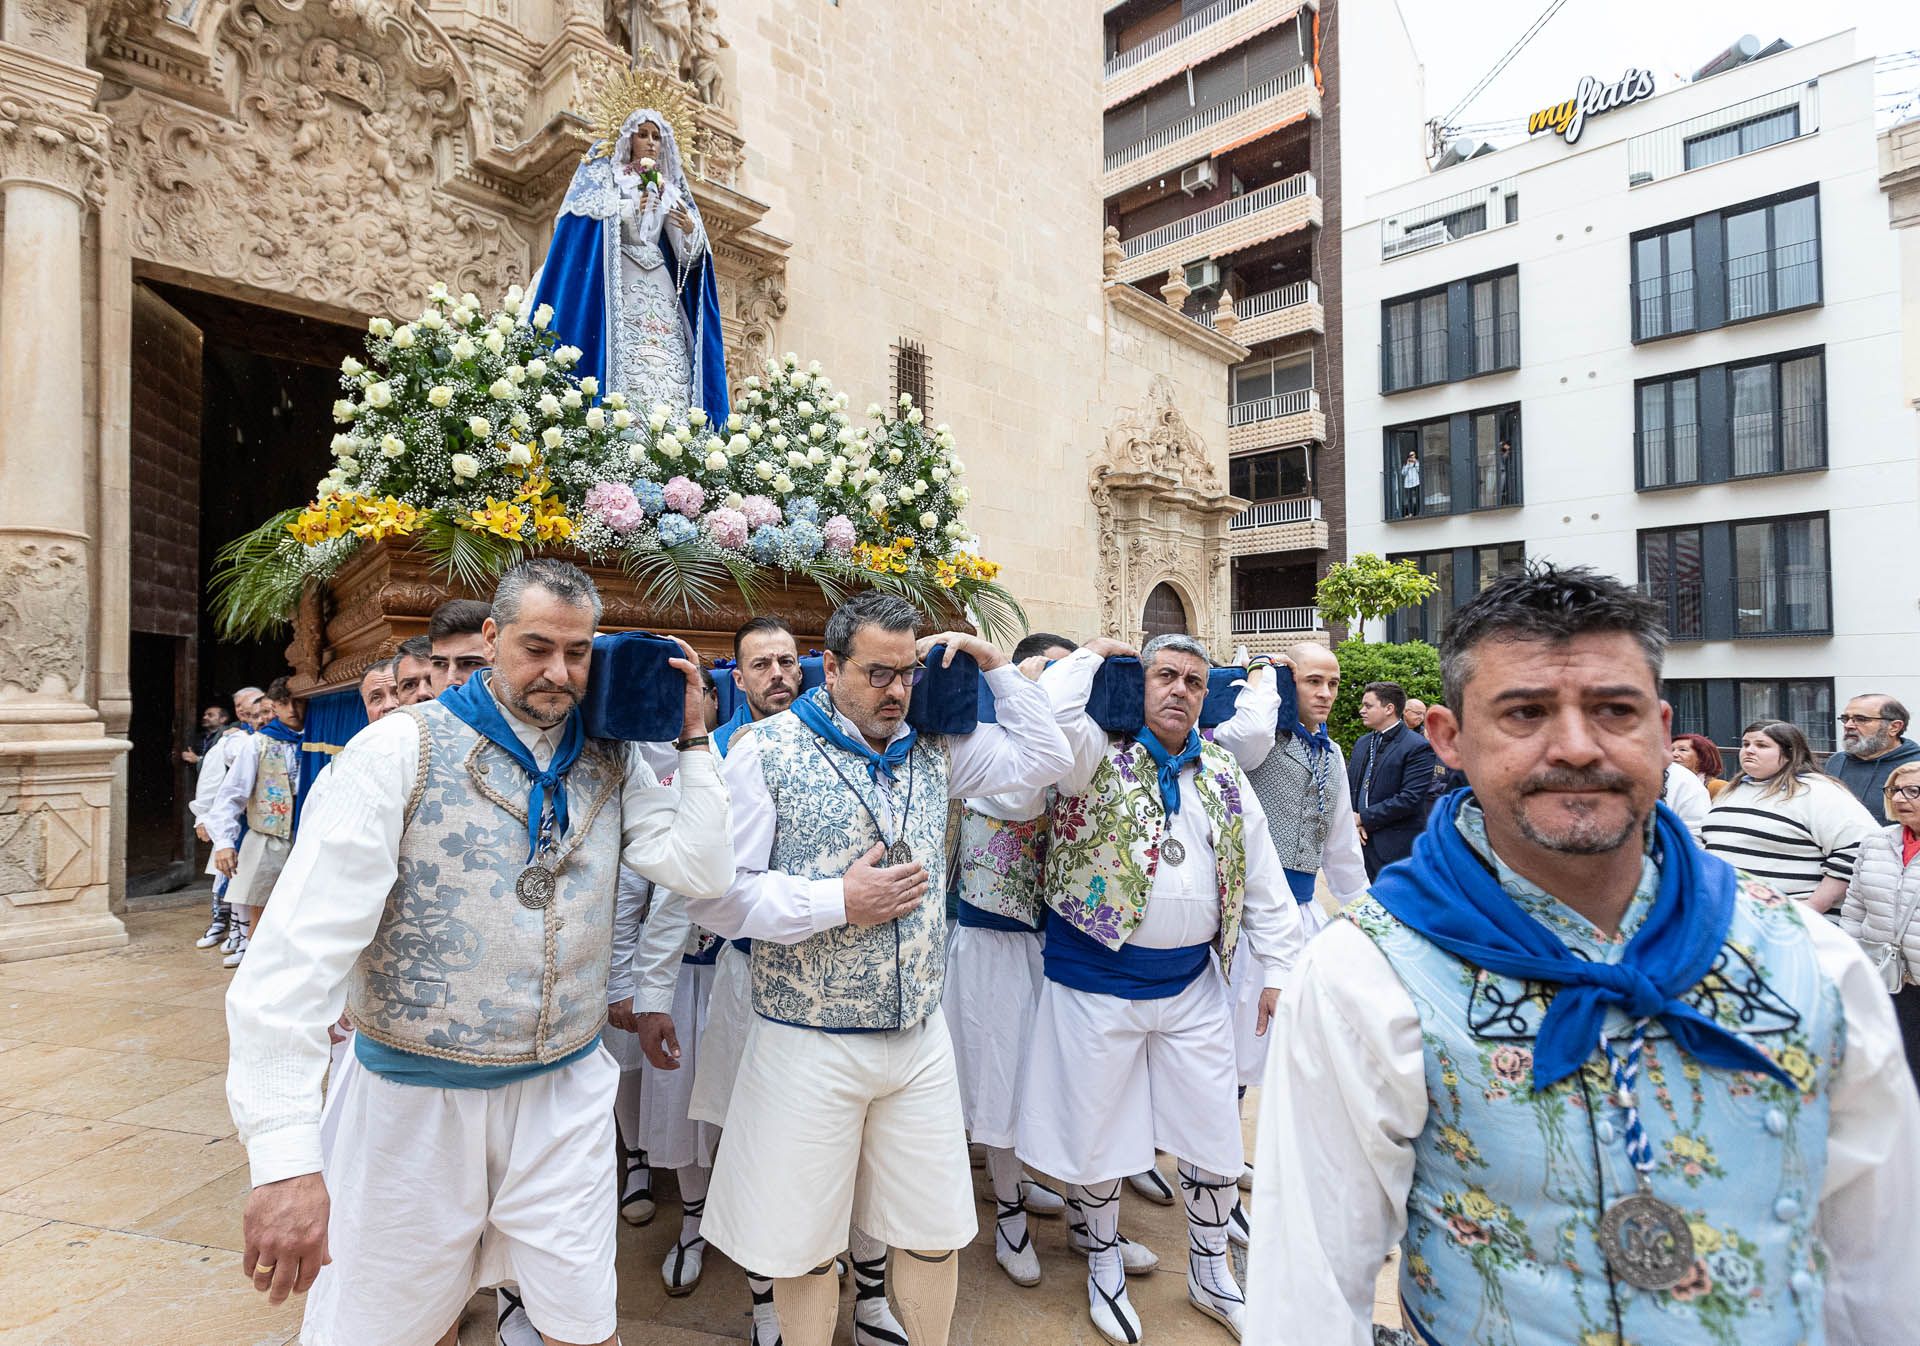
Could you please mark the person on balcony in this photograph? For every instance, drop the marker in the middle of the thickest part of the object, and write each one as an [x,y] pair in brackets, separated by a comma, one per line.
[1410,485]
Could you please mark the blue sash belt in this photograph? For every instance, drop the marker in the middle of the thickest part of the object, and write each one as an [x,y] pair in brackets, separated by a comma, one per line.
[979,918]
[1083,963]
[430,1072]
[1301,882]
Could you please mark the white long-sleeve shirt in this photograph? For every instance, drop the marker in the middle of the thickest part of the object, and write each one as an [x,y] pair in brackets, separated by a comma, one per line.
[1067,692]
[1345,1099]
[331,895]
[213,770]
[1250,735]
[1183,906]
[1024,751]
[1687,797]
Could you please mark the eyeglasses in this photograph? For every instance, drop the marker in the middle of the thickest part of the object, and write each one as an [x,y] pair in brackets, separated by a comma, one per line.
[1906,792]
[1861,719]
[881,675]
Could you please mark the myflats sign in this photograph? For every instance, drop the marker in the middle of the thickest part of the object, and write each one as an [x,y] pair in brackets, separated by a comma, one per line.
[1591,98]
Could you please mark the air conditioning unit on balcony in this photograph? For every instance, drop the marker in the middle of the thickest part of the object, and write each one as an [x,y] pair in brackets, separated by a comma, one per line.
[1200,177]
[1426,236]
[1203,276]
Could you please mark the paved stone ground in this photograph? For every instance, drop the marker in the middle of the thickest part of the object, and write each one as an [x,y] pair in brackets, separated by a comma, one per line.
[121,1187]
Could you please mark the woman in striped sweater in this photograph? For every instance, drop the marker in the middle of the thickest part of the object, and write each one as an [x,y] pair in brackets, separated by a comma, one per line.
[1786,824]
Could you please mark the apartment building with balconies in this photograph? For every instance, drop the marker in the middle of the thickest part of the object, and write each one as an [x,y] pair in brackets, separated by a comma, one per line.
[1222,171]
[1668,348]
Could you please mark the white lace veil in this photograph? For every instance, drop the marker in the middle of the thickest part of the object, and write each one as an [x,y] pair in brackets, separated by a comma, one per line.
[673,178]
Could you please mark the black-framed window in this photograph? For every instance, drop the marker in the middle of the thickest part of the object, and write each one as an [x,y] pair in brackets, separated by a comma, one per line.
[1688,697]
[1667,431]
[1416,341]
[1471,460]
[1663,283]
[1773,257]
[1495,323]
[1672,573]
[1277,474]
[1730,142]
[1461,573]
[1721,708]
[1782,577]
[1778,411]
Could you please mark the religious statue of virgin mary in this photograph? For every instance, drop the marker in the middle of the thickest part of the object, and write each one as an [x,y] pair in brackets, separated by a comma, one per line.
[629,273]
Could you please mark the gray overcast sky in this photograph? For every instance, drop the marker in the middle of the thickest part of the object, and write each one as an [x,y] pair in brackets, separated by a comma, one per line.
[1458,42]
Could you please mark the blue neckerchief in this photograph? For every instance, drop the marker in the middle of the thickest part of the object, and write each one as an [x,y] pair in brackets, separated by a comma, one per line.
[279,733]
[815,710]
[724,734]
[1446,893]
[1171,765]
[472,702]
[1318,741]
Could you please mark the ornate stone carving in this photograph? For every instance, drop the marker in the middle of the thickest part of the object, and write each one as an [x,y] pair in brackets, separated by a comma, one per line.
[1112,253]
[60,148]
[1155,437]
[44,606]
[322,182]
[1176,289]
[686,34]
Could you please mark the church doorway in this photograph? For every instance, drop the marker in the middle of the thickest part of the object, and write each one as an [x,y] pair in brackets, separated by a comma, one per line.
[1165,613]
[231,422]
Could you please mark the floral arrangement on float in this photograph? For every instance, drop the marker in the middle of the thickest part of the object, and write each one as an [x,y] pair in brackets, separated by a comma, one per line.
[467,433]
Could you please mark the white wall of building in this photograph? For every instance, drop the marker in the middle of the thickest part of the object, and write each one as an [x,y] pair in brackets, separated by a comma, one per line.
[1382,97]
[1578,364]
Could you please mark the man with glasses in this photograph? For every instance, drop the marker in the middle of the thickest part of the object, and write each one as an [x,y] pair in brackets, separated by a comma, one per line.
[1872,743]
[847,1104]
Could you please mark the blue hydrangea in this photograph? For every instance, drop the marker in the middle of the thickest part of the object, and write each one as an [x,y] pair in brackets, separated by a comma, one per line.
[652,497]
[803,507]
[767,544]
[676,529]
[805,538]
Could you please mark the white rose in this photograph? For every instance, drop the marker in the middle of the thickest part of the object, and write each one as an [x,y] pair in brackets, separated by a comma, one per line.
[500,390]
[503,324]
[571,399]
[956,529]
[959,495]
[735,421]
[716,462]
[670,448]
[552,437]
[738,444]
[520,421]
[905,495]
[567,357]
[873,474]
[343,443]
[479,428]
[795,458]
[464,349]
[433,322]
[763,470]
[684,434]
[783,484]
[797,379]
[939,473]
[733,501]
[378,395]
[380,327]
[639,455]
[849,437]
[655,422]
[393,446]
[596,418]
[536,369]
[590,386]
[714,444]
[790,359]
[516,376]
[520,455]
[515,294]
[439,395]
[622,419]
[438,292]
[753,380]
[616,400]
[940,429]
[470,299]
[349,465]
[493,341]
[548,405]
[957,466]
[352,368]
[805,409]
[893,457]
[459,315]
[696,417]
[878,499]
[914,417]
[816,456]
[780,441]
[542,316]
[906,399]
[838,464]
[753,433]
[816,432]
[813,366]
[833,480]
[928,520]
[465,466]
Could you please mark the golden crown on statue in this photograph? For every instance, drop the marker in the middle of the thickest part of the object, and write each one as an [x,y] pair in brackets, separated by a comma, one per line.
[623,92]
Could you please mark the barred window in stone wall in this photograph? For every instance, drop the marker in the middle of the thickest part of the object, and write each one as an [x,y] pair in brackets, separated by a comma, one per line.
[912,375]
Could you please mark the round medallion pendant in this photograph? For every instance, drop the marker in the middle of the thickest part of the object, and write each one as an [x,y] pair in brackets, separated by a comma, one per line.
[534,887]
[1173,851]
[1646,1242]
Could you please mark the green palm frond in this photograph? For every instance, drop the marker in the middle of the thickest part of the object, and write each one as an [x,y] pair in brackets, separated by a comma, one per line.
[687,577]
[257,580]
[748,578]
[995,611]
[471,559]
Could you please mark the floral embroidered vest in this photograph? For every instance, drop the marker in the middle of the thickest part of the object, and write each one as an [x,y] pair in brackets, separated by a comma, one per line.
[1105,846]
[1500,1245]
[882,977]
[270,811]
[1001,865]
[459,969]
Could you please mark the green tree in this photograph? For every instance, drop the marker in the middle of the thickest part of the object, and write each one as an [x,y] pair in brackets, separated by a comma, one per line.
[1368,588]
[1414,665]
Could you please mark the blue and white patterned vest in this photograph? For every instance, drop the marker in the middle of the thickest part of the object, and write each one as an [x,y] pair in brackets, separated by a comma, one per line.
[1500,1247]
[882,977]
[459,970]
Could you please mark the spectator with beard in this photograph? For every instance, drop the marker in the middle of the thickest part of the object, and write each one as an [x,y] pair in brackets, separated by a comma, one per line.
[1872,743]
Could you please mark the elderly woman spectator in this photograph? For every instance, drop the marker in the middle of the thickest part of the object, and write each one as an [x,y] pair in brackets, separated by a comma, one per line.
[1883,898]
[1784,822]
[1697,753]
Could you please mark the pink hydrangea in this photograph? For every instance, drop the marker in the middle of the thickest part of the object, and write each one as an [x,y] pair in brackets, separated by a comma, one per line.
[615,502]
[839,534]
[759,510]
[728,527]
[685,497]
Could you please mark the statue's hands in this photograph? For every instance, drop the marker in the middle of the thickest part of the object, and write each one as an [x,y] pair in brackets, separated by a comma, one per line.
[681,219]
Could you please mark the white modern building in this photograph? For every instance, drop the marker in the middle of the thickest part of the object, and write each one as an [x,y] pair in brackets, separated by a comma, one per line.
[1665,343]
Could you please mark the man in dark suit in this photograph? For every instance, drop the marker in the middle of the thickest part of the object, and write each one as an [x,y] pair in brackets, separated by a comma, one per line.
[1390,772]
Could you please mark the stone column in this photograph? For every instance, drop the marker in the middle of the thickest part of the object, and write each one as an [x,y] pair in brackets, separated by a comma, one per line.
[56,761]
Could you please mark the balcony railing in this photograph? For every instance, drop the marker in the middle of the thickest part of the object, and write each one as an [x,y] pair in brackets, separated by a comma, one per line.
[1275,621]
[1791,602]
[1268,301]
[1300,184]
[1793,439]
[1206,117]
[1160,41]
[1271,408]
[1749,126]
[1685,603]
[1778,278]
[1270,512]
[1450,218]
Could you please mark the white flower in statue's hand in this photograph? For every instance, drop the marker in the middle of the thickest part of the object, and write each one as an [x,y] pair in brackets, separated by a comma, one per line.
[622,418]
[571,399]
[520,455]
[590,386]
[465,466]
[553,437]
[344,410]
[596,418]
[464,349]
[379,395]
[893,457]
[783,484]
[617,401]
[638,453]
[548,404]
[656,422]
[536,369]
[646,165]
[696,417]
[479,427]
[928,519]
[716,462]
[393,446]
[543,316]
[494,342]
[380,327]
[763,470]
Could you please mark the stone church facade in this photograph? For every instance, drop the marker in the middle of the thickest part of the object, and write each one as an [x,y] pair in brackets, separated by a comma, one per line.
[876,180]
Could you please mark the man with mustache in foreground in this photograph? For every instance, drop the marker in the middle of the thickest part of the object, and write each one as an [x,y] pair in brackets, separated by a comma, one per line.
[453,885]
[1596,1085]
